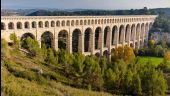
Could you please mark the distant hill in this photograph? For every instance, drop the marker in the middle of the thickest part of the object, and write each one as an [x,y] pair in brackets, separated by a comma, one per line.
[70,12]
[164,10]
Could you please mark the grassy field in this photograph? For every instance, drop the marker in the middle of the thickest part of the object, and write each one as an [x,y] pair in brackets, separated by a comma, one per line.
[155,60]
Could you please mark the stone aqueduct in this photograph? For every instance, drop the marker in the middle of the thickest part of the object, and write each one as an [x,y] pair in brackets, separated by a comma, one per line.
[95,34]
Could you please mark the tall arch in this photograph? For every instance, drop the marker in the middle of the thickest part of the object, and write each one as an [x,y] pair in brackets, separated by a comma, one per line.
[77,22]
[72,23]
[127,33]
[34,25]
[121,34]
[10,25]
[114,35]
[146,30]
[40,24]
[63,23]
[76,40]
[52,24]
[106,36]
[58,23]
[142,31]
[46,24]
[47,39]
[3,27]
[19,25]
[138,31]
[88,40]
[132,32]
[68,23]
[26,25]
[63,40]
[81,22]
[97,37]
[85,22]
[24,37]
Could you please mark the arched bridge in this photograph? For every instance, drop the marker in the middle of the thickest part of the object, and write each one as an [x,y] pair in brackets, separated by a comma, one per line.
[85,34]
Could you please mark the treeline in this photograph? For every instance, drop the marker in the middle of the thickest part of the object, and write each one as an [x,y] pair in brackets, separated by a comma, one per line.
[143,11]
[122,75]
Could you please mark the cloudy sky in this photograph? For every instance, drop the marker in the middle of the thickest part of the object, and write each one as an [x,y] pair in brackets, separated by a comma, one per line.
[85,4]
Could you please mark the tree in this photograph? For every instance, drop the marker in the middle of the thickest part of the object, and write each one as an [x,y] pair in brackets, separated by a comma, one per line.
[50,59]
[136,85]
[151,43]
[4,48]
[167,56]
[15,40]
[128,54]
[93,75]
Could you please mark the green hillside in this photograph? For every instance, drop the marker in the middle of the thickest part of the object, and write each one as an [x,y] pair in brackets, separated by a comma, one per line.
[20,77]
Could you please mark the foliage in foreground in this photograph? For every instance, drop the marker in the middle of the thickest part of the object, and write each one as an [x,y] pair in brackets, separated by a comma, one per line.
[120,76]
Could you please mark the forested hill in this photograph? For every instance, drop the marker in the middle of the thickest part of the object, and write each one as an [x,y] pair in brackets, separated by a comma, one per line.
[143,11]
[166,11]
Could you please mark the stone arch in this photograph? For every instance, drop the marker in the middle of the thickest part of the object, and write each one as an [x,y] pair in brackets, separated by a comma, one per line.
[68,23]
[77,22]
[95,21]
[106,53]
[136,44]
[3,27]
[113,50]
[121,34]
[24,37]
[146,30]
[52,24]
[26,25]
[106,36]
[47,39]
[19,25]
[58,23]
[72,23]
[107,20]
[88,22]
[99,21]
[76,40]
[10,25]
[131,45]
[34,25]
[132,32]
[114,34]
[142,30]
[46,24]
[97,54]
[88,40]
[97,37]
[141,44]
[63,23]
[92,21]
[127,33]
[40,24]
[63,39]
[104,21]
[81,22]
[138,31]
[85,22]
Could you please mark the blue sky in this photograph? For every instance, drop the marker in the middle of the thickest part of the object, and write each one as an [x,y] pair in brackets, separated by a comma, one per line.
[85,4]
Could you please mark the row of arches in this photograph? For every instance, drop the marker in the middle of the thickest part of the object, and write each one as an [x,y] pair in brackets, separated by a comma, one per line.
[47,24]
[83,41]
